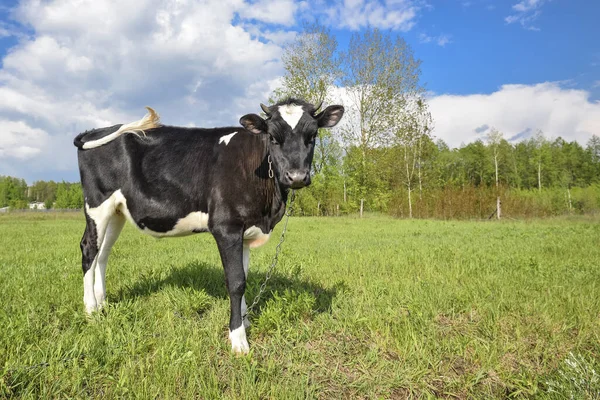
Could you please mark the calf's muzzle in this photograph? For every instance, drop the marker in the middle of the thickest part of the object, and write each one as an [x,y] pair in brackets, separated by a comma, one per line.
[297,178]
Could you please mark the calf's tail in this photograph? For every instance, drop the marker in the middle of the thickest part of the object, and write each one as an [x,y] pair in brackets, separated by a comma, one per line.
[150,121]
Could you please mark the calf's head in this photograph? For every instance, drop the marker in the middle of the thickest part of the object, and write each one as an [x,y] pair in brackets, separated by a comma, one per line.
[292,126]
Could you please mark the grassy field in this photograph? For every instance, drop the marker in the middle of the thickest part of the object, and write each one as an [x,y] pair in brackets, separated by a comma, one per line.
[372,308]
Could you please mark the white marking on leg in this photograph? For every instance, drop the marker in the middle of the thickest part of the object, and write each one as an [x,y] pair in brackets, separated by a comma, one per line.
[101,216]
[226,138]
[239,343]
[246,260]
[89,300]
[113,229]
[99,285]
[291,114]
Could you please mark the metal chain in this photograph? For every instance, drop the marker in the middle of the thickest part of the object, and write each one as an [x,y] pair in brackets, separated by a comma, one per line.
[271,173]
[275,258]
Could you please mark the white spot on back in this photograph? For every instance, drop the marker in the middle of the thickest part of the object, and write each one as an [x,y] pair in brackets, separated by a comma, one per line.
[291,114]
[226,138]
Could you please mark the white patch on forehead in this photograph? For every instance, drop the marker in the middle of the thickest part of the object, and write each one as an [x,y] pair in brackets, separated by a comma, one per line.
[226,138]
[291,113]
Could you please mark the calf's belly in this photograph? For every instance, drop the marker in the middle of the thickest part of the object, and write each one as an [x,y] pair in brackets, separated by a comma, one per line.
[193,222]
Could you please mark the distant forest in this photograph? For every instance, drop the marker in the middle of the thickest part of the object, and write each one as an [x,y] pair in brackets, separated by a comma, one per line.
[15,193]
[534,178]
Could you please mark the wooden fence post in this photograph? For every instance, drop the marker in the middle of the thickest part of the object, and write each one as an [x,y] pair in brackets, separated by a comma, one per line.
[361,207]
[498,205]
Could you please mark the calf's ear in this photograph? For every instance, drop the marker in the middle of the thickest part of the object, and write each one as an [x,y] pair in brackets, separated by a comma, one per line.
[254,123]
[329,117]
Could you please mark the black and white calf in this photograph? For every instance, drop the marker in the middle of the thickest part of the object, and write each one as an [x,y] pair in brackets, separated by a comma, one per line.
[172,181]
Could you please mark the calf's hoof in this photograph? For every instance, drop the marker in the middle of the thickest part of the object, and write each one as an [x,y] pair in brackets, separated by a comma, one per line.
[90,306]
[239,343]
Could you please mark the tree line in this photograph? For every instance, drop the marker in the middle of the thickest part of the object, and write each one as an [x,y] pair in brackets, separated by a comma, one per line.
[534,177]
[16,194]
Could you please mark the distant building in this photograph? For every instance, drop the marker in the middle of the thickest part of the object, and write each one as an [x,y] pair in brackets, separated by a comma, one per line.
[37,205]
[3,209]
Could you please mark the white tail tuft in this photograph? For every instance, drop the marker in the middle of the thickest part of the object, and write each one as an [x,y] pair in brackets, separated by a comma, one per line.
[150,121]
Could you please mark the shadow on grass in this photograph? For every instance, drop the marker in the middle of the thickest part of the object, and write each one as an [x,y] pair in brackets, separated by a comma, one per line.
[211,279]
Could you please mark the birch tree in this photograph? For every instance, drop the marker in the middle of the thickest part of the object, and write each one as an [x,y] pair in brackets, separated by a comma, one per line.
[593,150]
[494,138]
[540,149]
[411,129]
[311,69]
[379,74]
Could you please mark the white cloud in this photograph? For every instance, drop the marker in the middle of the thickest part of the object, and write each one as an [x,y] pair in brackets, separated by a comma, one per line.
[87,64]
[526,12]
[556,110]
[272,11]
[280,37]
[20,141]
[425,38]
[43,58]
[527,5]
[390,14]
[441,40]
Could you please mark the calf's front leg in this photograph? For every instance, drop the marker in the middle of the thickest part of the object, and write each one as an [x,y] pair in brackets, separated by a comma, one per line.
[230,243]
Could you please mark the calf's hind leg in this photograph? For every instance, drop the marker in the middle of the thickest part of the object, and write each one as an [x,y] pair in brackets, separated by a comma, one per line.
[89,251]
[95,250]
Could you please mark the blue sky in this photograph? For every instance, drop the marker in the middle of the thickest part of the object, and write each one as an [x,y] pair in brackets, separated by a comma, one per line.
[486,52]
[71,65]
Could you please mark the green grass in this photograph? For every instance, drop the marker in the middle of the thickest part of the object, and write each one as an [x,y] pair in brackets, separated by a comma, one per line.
[372,308]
